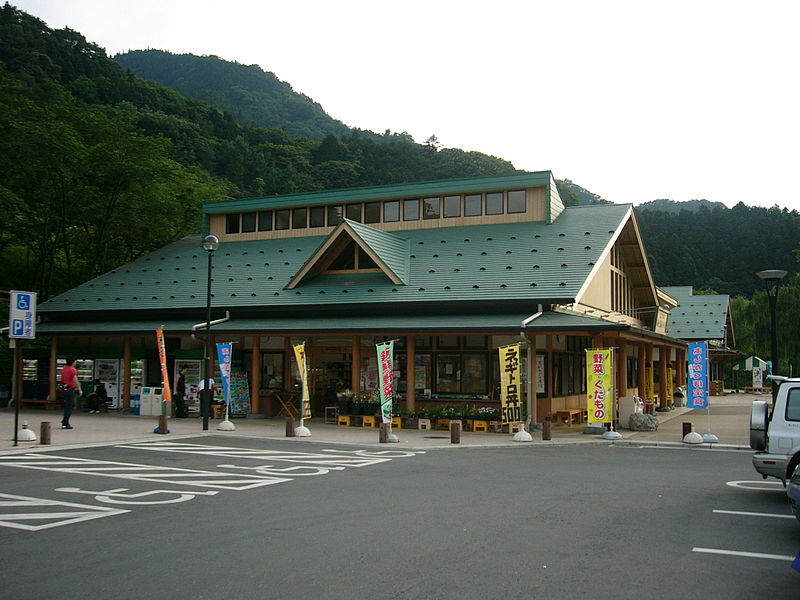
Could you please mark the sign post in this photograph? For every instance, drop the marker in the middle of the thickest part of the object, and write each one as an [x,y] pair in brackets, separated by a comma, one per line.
[699,383]
[21,326]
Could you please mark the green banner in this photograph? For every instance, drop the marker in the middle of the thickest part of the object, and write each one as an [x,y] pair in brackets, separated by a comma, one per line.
[386,378]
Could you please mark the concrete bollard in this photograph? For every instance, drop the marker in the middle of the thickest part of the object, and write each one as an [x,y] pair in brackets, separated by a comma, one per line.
[383,434]
[455,432]
[290,427]
[687,429]
[44,433]
[546,428]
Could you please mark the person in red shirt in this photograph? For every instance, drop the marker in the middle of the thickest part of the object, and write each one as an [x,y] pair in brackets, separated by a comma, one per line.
[69,377]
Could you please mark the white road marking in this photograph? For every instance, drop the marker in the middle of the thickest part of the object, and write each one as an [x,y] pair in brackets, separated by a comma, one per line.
[743,554]
[753,514]
[57,518]
[761,485]
[296,471]
[137,472]
[116,496]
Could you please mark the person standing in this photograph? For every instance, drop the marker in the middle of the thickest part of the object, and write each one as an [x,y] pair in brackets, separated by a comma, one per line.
[69,377]
[180,394]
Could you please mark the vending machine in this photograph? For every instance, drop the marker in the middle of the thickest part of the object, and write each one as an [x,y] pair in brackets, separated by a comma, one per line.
[192,382]
[108,371]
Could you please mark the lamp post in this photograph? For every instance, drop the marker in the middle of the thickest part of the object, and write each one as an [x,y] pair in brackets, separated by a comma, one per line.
[772,281]
[210,243]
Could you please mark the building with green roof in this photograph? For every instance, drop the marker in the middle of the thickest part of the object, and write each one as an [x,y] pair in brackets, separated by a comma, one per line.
[452,270]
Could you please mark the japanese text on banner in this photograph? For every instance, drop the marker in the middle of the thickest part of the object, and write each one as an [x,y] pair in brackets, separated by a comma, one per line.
[162,358]
[600,385]
[510,384]
[224,352]
[698,375]
[385,363]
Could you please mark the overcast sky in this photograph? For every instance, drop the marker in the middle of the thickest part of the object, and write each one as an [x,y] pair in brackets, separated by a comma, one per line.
[633,100]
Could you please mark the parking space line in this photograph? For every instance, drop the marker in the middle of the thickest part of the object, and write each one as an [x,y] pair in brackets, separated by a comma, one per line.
[743,554]
[753,514]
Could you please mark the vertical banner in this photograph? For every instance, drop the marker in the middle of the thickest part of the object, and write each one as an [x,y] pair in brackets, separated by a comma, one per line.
[162,358]
[302,366]
[224,352]
[600,385]
[698,375]
[386,376]
[510,384]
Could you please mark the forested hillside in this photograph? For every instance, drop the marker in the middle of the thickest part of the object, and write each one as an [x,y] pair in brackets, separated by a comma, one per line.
[253,96]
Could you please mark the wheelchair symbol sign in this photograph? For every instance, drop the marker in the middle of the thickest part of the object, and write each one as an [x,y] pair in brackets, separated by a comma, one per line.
[23,302]
[22,315]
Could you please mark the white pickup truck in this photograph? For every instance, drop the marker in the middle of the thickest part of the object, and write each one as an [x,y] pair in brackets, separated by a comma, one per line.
[776,435]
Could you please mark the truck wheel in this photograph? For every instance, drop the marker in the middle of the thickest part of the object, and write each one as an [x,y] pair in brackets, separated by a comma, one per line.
[759,422]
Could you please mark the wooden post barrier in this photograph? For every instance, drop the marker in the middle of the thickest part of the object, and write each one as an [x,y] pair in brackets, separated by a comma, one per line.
[546,428]
[290,426]
[455,432]
[44,433]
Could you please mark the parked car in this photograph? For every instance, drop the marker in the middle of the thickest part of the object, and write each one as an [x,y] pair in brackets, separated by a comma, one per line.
[793,491]
[775,434]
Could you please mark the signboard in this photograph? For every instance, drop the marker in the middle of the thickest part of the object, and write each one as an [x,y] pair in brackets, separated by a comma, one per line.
[22,315]
[510,384]
[162,358]
[698,375]
[302,366]
[386,376]
[600,385]
[224,354]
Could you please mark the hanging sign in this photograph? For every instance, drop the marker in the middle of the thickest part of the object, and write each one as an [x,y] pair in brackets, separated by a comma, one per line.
[698,375]
[162,358]
[510,384]
[224,353]
[386,376]
[302,366]
[600,385]
[22,315]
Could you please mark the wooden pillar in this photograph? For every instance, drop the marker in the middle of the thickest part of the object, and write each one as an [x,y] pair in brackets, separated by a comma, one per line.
[531,375]
[288,381]
[622,368]
[355,371]
[255,376]
[52,377]
[547,402]
[411,360]
[126,372]
[641,371]
[663,365]
[680,367]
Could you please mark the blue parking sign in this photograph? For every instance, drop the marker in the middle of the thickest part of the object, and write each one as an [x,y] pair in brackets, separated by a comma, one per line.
[22,315]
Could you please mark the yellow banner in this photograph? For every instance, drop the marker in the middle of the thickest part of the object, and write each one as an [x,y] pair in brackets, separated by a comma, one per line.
[600,385]
[302,366]
[162,357]
[510,384]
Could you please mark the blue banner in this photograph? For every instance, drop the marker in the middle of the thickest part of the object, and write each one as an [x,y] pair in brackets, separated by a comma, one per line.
[224,353]
[698,375]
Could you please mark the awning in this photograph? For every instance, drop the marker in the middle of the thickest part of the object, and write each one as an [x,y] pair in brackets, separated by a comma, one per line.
[749,364]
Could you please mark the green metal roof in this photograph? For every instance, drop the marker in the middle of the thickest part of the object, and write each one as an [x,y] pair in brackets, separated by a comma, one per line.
[528,261]
[701,317]
[393,191]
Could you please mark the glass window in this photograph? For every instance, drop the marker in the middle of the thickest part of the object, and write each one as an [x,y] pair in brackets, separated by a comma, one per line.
[431,208]
[423,341]
[248,222]
[411,210]
[282,219]
[793,405]
[346,261]
[448,373]
[232,223]
[473,205]
[452,206]
[494,203]
[316,216]
[476,342]
[372,212]
[461,374]
[272,370]
[334,215]
[299,218]
[353,212]
[516,201]
[447,341]
[265,220]
[391,211]
[365,260]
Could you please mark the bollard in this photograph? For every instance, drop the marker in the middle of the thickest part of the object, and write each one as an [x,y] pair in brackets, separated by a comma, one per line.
[289,426]
[687,429]
[546,428]
[44,433]
[455,432]
[383,434]
[162,424]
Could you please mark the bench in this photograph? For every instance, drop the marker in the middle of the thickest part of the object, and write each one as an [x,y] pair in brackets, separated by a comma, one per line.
[46,404]
[569,416]
[757,390]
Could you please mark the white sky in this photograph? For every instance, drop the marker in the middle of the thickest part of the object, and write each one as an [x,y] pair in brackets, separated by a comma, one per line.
[633,100]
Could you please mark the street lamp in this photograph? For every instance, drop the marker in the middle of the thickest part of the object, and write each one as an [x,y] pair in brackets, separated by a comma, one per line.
[210,243]
[772,281]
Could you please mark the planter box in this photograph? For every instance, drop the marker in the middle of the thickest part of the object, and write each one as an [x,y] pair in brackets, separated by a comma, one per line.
[410,423]
[480,426]
[424,423]
[496,426]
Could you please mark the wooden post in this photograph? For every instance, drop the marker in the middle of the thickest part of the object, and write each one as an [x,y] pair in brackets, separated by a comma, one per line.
[290,426]
[547,409]
[126,373]
[663,364]
[255,377]
[455,432]
[641,372]
[622,368]
[411,360]
[53,370]
[546,429]
[355,371]
[44,433]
